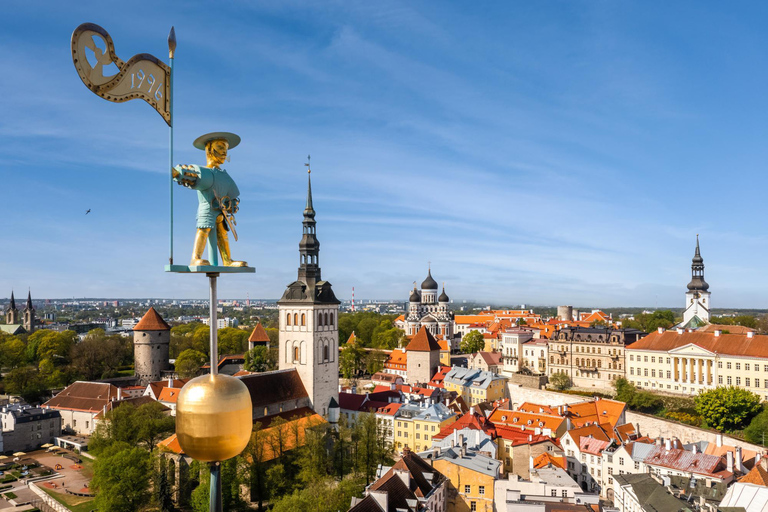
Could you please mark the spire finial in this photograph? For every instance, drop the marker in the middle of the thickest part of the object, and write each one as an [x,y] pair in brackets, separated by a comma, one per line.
[309,169]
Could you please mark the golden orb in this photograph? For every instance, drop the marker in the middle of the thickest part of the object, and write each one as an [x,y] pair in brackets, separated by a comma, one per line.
[214,417]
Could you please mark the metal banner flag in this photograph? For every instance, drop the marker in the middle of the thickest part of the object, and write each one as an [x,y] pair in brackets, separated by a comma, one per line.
[143,76]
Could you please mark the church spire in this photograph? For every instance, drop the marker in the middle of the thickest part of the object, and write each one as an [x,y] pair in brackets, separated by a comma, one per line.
[12,306]
[29,300]
[309,247]
[697,271]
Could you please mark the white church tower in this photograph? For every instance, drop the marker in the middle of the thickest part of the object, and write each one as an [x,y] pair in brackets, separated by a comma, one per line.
[309,332]
[697,305]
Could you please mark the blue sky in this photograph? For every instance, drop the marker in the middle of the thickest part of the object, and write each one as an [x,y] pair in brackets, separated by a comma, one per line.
[534,152]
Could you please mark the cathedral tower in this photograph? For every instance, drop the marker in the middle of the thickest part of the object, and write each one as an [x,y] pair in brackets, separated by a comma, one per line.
[29,315]
[12,314]
[151,343]
[308,314]
[697,297]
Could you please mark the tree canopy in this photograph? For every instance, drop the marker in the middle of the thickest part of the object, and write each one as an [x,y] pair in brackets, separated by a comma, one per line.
[472,342]
[188,363]
[727,408]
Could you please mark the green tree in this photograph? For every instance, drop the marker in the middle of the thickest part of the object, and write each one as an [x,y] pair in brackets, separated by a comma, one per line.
[322,496]
[12,351]
[472,342]
[100,356]
[365,330]
[374,361]
[560,381]
[372,449]
[757,431]
[727,408]
[153,424]
[56,345]
[644,401]
[260,359]
[161,486]
[189,362]
[350,361]
[25,382]
[232,341]
[121,477]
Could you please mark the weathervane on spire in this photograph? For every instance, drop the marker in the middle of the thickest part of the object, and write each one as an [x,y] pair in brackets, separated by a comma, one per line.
[309,169]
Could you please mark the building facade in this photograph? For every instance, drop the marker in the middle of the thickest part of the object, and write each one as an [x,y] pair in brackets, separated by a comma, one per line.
[26,428]
[422,357]
[688,362]
[591,357]
[308,322]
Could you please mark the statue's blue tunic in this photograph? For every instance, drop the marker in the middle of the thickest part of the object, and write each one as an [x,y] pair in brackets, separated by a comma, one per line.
[215,188]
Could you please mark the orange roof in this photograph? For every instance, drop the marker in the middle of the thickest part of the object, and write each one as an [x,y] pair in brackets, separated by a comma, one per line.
[444,346]
[352,339]
[598,411]
[169,395]
[423,342]
[472,421]
[599,432]
[545,459]
[298,425]
[259,334]
[730,344]
[401,318]
[747,456]
[152,321]
[397,359]
[172,444]
[473,319]
[519,436]
[596,316]
[733,329]
[526,419]
[757,476]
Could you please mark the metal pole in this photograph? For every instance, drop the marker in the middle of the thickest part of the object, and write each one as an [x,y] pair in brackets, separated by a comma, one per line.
[213,309]
[215,503]
[171,50]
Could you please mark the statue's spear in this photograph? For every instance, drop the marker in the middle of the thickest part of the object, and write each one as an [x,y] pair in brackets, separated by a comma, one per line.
[143,76]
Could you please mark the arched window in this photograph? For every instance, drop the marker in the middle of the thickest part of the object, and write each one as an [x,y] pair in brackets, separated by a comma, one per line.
[326,319]
[599,363]
[325,353]
[288,319]
[331,324]
[594,363]
[303,319]
[296,354]
[295,319]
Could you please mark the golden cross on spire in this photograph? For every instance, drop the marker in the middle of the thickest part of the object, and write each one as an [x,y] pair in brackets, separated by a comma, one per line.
[309,169]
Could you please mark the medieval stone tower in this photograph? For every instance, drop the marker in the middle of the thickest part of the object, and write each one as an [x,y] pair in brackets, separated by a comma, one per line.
[309,333]
[151,341]
[422,357]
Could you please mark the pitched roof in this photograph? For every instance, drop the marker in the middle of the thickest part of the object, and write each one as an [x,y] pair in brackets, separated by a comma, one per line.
[733,329]
[520,437]
[156,387]
[730,344]
[757,476]
[397,360]
[684,460]
[152,321]
[171,443]
[526,419]
[274,387]
[83,396]
[473,421]
[423,342]
[545,459]
[169,395]
[491,358]
[352,339]
[650,493]
[259,334]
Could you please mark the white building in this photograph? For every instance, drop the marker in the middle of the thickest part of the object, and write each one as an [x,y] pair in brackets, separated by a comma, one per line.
[426,309]
[512,341]
[697,304]
[546,485]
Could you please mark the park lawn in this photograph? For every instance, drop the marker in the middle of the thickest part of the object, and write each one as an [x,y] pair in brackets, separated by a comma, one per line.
[73,503]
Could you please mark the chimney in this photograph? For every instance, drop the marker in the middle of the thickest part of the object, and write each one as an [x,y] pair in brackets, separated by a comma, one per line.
[758,456]
[718,332]
[170,382]
[750,334]
[661,330]
[461,440]
[729,459]
[393,387]
[695,449]
[680,330]
[739,464]
[530,463]
[464,451]
[530,438]
[667,444]
[472,411]
[719,440]
[119,393]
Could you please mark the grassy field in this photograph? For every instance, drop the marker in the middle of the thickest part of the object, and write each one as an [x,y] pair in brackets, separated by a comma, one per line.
[73,503]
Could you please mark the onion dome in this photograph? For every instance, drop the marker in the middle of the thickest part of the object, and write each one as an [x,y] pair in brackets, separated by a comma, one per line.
[414,296]
[443,297]
[697,271]
[429,283]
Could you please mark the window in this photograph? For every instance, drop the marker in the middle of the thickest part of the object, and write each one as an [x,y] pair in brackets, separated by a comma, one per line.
[610,459]
[757,383]
[295,319]
[729,380]
[610,470]
[303,319]
[645,358]
[288,319]
[481,490]
[296,354]
[621,461]
[728,366]
[746,382]
[645,371]
[632,371]
[738,366]
[564,493]
[466,489]
[553,492]
[719,379]
[746,366]
[74,422]
[653,373]
[637,465]
[472,506]
[738,381]
[669,374]
[325,353]
[653,359]
[631,357]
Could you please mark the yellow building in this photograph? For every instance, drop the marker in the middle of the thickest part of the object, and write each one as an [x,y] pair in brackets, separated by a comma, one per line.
[415,425]
[689,362]
[470,479]
[476,386]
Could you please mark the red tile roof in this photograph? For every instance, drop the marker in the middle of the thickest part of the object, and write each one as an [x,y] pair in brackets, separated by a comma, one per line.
[684,460]
[156,387]
[259,334]
[491,358]
[472,421]
[546,459]
[730,344]
[519,437]
[269,388]
[152,321]
[423,342]
[757,476]
[169,395]
[83,396]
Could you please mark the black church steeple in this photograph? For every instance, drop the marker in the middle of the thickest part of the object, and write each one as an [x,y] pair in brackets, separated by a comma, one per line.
[697,271]
[309,247]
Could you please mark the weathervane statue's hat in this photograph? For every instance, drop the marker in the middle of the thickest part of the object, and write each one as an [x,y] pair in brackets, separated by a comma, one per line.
[231,138]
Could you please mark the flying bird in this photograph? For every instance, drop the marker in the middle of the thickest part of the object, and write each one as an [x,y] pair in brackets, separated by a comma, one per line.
[89,211]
